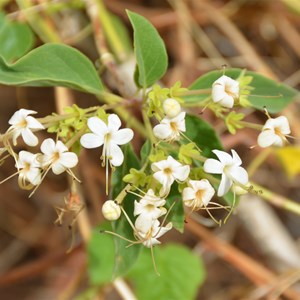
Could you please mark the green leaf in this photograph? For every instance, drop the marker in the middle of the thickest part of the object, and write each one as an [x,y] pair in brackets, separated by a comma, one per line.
[150,51]
[52,65]
[267,92]
[16,39]
[101,257]
[202,134]
[181,274]
[145,151]
[125,257]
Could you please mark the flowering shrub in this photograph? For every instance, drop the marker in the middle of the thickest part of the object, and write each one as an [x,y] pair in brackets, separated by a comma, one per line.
[181,163]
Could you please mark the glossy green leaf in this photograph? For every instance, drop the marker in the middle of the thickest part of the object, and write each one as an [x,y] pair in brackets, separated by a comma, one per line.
[150,51]
[201,133]
[181,274]
[16,39]
[101,257]
[267,92]
[125,257]
[52,65]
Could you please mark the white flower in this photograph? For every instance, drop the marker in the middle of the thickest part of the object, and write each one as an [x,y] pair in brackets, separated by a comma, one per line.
[111,210]
[22,124]
[230,169]
[29,168]
[198,193]
[171,108]
[225,90]
[166,171]
[110,136]
[148,231]
[274,132]
[150,206]
[170,128]
[57,157]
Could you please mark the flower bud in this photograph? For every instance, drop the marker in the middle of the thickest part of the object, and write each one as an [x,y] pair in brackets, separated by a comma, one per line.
[171,108]
[111,210]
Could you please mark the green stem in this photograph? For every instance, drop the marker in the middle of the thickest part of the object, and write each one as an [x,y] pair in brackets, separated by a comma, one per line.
[258,160]
[194,92]
[250,125]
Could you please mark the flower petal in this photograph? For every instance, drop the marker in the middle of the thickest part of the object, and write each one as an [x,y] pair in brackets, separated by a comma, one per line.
[91,140]
[224,157]
[162,131]
[266,138]
[58,168]
[188,194]
[20,115]
[239,175]
[60,147]
[29,138]
[181,173]
[34,176]
[227,101]
[213,166]
[122,136]
[237,160]
[97,126]
[225,185]
[116,155]
[68,159]
[33,123]
[48,146]
[114,122]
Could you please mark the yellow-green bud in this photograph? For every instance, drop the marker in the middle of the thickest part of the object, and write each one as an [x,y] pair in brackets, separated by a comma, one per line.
[171,108]
[111,210]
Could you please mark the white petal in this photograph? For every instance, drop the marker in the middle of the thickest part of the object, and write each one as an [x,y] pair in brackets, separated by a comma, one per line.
[97,126]
[33,123]
[116,155]
[237,160]
[173,163]
[143,224]
[68,159]
[239,175]
[91,140]
[138,208]
[224,157]
[58,168]
[34,176]
[284,125]
[188,194]
[20,115]
[160,165]
[266,138]
[162,131]
[122,136]
[163,230]
[29,138]
[60,147]
[213,166]
[48,146]
[181,173]
[114,122]
[218,92]
[227,101]
[224,185]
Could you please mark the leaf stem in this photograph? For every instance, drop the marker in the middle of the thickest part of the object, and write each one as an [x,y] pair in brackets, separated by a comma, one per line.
[250,125]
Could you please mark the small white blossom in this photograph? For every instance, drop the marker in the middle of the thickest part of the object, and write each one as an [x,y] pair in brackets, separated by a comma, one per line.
[150,206]
[198,193]
[111,210]
[57,157]
[274,132]
[22,124]
[229,167]
[170,128]
[171,108]
[167,171]
[110,136]
[225,90]
[148,231]
[29,168]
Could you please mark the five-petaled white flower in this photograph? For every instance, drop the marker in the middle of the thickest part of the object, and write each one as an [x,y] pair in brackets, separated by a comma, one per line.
[198,193]
[166,171]
[229,167]
[110,136]
[274,132]
[225,90]
[111,210]
[22,124]
[148,231]
[171,108]
[29,169]
[150,206]
[170,128]
[57,157]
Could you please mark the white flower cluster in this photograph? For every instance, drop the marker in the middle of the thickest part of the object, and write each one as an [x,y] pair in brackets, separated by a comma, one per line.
[32,168]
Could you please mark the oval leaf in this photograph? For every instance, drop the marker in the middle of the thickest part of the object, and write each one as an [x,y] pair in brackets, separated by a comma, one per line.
[267,92]
[16,39]
[52,65]
[181,274]
[150,51]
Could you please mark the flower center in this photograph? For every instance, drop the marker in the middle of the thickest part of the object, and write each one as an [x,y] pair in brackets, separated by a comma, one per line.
[149,207]
[55,156]
[23,123]
[26,167]
[174,126]
[229,92]
[168,171]
[199,195]
[277,131]
[107,138]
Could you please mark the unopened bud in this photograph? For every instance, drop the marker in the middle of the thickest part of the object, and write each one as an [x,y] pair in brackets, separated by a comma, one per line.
[111,210]
[171,108]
